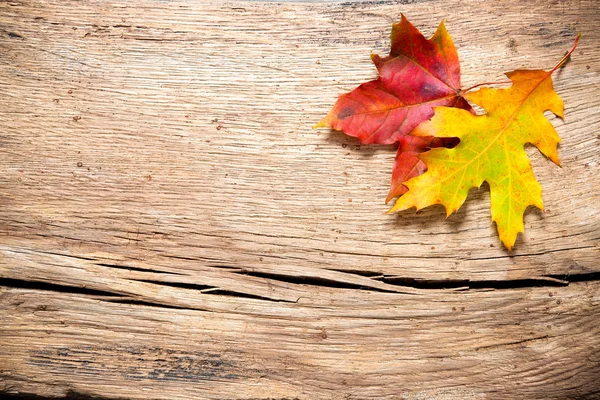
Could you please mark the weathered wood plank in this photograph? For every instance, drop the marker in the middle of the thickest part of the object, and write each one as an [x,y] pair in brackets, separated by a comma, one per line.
[539,343]
[194,139]
[162,153]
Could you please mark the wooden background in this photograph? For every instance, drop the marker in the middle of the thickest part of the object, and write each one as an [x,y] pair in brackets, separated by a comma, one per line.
[172,228]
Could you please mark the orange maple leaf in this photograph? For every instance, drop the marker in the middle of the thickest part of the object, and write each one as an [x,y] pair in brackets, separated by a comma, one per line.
[491,149]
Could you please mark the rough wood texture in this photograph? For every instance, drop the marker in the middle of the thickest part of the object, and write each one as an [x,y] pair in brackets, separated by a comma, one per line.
[172,227]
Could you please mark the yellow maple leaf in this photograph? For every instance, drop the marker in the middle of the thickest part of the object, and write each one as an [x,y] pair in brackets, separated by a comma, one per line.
[491,149]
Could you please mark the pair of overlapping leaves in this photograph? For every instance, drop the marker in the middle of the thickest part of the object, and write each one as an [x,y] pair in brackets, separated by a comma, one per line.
[444,147]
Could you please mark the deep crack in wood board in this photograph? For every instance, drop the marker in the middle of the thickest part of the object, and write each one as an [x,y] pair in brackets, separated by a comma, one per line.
[171,227]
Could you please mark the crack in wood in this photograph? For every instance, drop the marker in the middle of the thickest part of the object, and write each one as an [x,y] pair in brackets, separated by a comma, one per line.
[586,277]
[421,284]
[311,281]
[128,268]
[425,284]
[517,342]
[54,287]
[542,280]
[205,289]
[472,284]
[183,285]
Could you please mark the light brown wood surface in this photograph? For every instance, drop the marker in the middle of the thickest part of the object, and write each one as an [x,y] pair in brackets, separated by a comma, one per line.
[172,228]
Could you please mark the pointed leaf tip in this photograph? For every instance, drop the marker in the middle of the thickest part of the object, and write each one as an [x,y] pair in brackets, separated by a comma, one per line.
[321,124]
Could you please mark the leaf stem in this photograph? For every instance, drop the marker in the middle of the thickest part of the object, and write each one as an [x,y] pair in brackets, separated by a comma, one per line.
[566,57]
[560,64]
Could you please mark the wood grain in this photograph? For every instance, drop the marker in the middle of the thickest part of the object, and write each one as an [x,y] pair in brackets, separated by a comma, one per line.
[186,233]
[515,343]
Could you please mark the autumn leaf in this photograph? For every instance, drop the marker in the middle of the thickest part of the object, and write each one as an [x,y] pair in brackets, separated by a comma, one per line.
[417,75]
[407,164]
[491,149]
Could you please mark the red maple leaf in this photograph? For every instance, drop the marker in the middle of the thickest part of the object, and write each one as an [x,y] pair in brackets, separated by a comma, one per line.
[416,76]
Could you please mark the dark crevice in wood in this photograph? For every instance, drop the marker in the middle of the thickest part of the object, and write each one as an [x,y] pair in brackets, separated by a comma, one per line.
[468,284]
[311,281]
[71,395]
[544,280]
[586,277]
[53,287]
[182,285]
[221,266]
[212,290]
[368,274]
[136,269]
[514,343]
[424,284]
